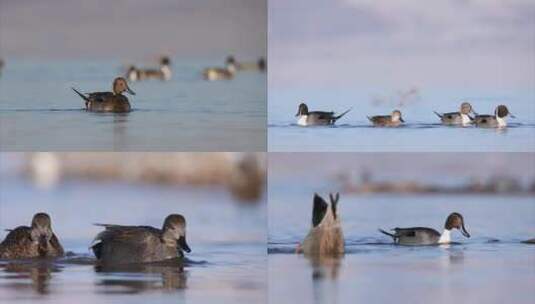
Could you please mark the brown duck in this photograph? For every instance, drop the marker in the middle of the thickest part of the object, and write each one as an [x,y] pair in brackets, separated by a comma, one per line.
[32,242]
[119,244]
[325,237]
[114,102]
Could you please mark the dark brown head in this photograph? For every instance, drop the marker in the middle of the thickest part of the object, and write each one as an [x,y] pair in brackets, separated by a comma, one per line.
[174,227]
[230,60]
[302,110]
[455,220]
[164,60]
[41,231]
[502,111]
[262,64]
[120,85]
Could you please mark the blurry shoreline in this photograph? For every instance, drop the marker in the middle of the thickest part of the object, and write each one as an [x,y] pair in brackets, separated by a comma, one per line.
[243,174]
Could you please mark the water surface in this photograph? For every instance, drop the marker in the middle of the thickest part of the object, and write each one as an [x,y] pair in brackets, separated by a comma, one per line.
[38,110]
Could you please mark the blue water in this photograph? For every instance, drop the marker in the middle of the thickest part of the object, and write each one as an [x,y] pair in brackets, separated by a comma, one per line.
[38,110]
[227,263]
[421,133]
[491,267]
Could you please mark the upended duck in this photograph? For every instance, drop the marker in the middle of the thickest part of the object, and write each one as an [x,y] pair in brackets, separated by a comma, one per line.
[35,241]
[428,236]
[114,102]
[118,245]
[325,237]
[316,118]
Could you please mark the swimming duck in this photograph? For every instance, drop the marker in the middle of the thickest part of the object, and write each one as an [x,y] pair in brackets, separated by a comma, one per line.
[225,73]
[141,244]
[428,236]
[494,121]
[316,118]
[38,240]
[162,73]
[114,101]
[457,118]
[325,237]
[393,120]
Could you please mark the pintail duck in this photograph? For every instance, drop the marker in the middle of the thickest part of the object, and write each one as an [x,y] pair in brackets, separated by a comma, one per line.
[316,118]
[225,73]
[162,73]
[141,244]
[325,237]
[458,118]
[393,120]
[114,101]
[38,240]
[428,236]
[494,121]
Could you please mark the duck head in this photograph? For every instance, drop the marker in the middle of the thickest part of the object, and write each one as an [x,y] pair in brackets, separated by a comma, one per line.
[396,116]
[455,220]
[164,60]
[174,231]
[302,110]
[41,232]
[262,64]
[466,108]
[120,85]
[502,111]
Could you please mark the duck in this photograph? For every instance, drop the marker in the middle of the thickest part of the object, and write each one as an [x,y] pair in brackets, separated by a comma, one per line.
[458,118]
[325,237]
[226,73]
[259,65]
[393,120]
[427,236]
[36,241]
[316,118]
[162,73]
[494,121]
[114,102]
[119,245]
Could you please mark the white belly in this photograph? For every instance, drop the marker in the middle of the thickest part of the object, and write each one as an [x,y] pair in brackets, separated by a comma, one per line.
[302,120]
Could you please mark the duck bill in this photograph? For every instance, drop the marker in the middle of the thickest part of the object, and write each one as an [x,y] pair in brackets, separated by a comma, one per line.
[130,91]
[401,119]
[464,232]
[183,245]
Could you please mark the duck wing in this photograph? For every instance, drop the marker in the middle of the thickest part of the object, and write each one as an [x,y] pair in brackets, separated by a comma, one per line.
[322,115]
[100,96]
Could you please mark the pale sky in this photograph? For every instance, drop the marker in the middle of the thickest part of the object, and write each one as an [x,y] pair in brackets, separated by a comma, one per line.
[474,43]
[135,28]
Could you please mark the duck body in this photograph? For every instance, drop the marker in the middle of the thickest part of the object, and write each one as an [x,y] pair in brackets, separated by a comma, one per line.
[419,236]
[119,244]
[325,236]
[393,120]
[113,102]
[316,118]
[213,74]
[498,120]
[37,241]
[455,118]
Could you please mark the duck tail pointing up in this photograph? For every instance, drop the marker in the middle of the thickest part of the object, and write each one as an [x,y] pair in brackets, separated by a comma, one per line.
[80,94]
[438,114]
[340,116]
[387,233]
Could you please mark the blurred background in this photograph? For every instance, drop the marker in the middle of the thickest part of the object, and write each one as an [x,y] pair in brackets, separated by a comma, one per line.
[221,195]
[493,191]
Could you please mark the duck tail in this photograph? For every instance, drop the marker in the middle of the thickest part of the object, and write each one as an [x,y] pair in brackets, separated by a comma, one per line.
[369,118]
[438,114]
[387,233]
[80,94]
[340,116]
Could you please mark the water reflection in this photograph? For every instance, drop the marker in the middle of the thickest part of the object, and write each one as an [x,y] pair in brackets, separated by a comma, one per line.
[36,275]
[325,270]
[132,279]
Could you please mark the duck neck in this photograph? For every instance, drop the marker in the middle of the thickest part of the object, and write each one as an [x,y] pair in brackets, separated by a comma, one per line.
[501,121]
[465,119]
[445,237]
[166,71]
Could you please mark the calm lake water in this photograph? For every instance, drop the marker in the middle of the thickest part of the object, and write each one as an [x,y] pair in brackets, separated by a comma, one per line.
[422,131]
[227,263]
[490,267]
[39,111]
